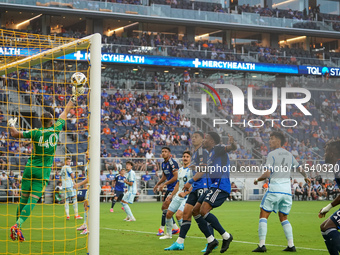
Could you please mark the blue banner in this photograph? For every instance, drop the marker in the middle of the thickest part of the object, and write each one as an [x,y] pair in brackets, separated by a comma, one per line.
[185,62]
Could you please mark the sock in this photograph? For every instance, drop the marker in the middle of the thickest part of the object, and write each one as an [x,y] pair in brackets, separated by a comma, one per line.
[180,240]
[184,229]
[203,225]
[209,217]
[85,217]
[128,210]
[26,211]
[22,203]
[211,229]
[113,203]
[163,218]
[287,228]
[180,222]
[332,240]
[174,225]
[67,208]
[262,231]
[168,223]
[75,206]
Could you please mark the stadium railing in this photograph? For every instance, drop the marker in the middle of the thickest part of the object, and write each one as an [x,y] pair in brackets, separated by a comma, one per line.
[166,11]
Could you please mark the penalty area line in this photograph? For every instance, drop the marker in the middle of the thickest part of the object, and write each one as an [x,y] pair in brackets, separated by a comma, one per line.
[199,237]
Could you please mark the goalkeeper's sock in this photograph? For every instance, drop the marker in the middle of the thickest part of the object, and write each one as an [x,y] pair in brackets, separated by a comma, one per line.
[75,206]
[67,208]
[287,228]
[22,203]
[180,222]
[26,211]
[113,203]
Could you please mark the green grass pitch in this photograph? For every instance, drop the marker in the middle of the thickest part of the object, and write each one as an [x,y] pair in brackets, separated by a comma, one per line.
[120,237]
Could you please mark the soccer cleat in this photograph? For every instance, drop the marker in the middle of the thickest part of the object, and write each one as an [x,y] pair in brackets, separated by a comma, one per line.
[78,217]
[291,249]
[160,232]
[166,236]
[131,219]
[85,232]
[14,229]
[82,227]
[127,218]
[226,243]
[111,210]
[175,247]
[211,246]
[260,249]
[205,248]
[68,217]
[175,231]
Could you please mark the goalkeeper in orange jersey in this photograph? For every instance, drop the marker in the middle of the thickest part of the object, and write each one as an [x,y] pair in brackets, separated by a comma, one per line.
[38,168]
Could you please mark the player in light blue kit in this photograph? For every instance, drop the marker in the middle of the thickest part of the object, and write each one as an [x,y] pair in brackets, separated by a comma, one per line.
[329,228]
[129,196]
[278,198]
[70,193]
[178,197]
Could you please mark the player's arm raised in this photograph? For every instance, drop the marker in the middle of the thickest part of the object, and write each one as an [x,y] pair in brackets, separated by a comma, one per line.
[72,102]
[12,129]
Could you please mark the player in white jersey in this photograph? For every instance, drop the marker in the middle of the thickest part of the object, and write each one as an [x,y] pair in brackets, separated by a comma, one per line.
[278,198]
[70,193]
[129,196]
[178,199]
[83,227]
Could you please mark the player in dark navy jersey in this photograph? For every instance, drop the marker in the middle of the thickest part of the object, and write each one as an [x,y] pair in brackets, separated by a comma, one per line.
[119,188]
[219,190]
[199,159]
[169,179]
[329,228]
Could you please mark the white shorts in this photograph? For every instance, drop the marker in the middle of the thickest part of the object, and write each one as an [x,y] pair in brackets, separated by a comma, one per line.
[70,192]
[177,204]
[276,202]
[129,197]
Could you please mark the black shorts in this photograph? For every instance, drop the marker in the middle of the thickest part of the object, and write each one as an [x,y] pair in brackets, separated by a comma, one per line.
[214,196]
[195,195]
[167,193]
[336,218]
[119,195]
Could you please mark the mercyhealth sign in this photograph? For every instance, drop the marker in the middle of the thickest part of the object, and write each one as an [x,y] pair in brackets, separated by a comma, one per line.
[184,62]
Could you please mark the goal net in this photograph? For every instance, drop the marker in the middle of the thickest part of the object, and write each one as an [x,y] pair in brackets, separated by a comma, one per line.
[35,74]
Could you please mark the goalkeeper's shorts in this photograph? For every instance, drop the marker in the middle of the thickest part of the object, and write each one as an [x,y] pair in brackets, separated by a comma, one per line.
[35,180]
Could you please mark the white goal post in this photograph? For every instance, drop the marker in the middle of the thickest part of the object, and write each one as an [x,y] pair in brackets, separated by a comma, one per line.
[94,41]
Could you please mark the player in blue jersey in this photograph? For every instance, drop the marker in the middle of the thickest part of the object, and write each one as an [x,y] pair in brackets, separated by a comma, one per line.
[119,188]
[199,159]
[178,197]
[67,177]
[329,228]
[169,179]
[278,198]
[129,196]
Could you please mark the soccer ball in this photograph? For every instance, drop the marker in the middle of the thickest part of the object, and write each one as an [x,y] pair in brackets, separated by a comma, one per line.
[78,79]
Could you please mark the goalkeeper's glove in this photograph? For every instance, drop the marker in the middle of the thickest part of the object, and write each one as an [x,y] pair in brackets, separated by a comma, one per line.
[76,92]
[12,121]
